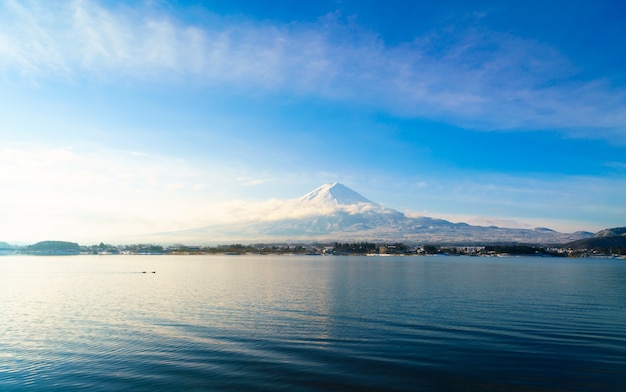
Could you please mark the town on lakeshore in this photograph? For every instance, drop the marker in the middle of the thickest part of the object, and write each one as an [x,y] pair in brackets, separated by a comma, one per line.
[336,248]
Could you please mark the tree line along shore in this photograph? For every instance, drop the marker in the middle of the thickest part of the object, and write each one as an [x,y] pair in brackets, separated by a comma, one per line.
[336,248]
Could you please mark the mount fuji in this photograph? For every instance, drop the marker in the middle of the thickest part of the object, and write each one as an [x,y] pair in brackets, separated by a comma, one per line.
[334,212]
[335,194]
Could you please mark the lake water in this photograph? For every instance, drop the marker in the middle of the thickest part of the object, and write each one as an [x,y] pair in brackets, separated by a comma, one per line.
[312,323]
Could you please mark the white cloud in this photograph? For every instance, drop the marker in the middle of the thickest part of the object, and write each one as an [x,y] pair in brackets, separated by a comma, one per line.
[276,209]
[480,79]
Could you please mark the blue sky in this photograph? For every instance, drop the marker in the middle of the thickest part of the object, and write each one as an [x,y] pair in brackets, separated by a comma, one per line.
[121,118]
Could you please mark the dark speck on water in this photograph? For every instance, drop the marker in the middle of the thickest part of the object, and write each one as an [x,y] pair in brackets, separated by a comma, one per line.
[306,324]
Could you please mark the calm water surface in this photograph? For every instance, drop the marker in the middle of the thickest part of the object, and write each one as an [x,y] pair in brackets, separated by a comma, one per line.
[311,323]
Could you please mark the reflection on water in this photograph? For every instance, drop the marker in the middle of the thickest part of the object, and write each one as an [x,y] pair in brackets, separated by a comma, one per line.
[309,323]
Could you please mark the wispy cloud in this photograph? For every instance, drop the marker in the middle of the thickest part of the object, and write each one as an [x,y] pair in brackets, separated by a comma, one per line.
[275,209]
[474,78]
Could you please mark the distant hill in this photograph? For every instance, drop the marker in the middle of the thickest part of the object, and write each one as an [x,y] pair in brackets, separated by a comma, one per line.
[5,245]
[53,247]
[604,240]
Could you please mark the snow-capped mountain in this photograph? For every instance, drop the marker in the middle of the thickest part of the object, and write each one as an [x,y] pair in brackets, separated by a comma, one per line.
[334,212]
[333,194]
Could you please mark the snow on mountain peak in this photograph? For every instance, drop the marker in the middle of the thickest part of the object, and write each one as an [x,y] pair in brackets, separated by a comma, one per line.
[334,194]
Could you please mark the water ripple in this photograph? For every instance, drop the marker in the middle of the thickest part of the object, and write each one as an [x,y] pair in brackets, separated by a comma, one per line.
[301,324]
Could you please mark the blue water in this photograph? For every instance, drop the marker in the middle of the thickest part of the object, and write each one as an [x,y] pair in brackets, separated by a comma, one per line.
[312,323]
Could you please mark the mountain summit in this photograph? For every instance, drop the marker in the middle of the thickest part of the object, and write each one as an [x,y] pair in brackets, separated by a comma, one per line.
[334,194]
[334,212]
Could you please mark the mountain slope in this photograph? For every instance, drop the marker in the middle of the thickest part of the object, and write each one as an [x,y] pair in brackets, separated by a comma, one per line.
[614,232]
[334,212]
[602,240]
